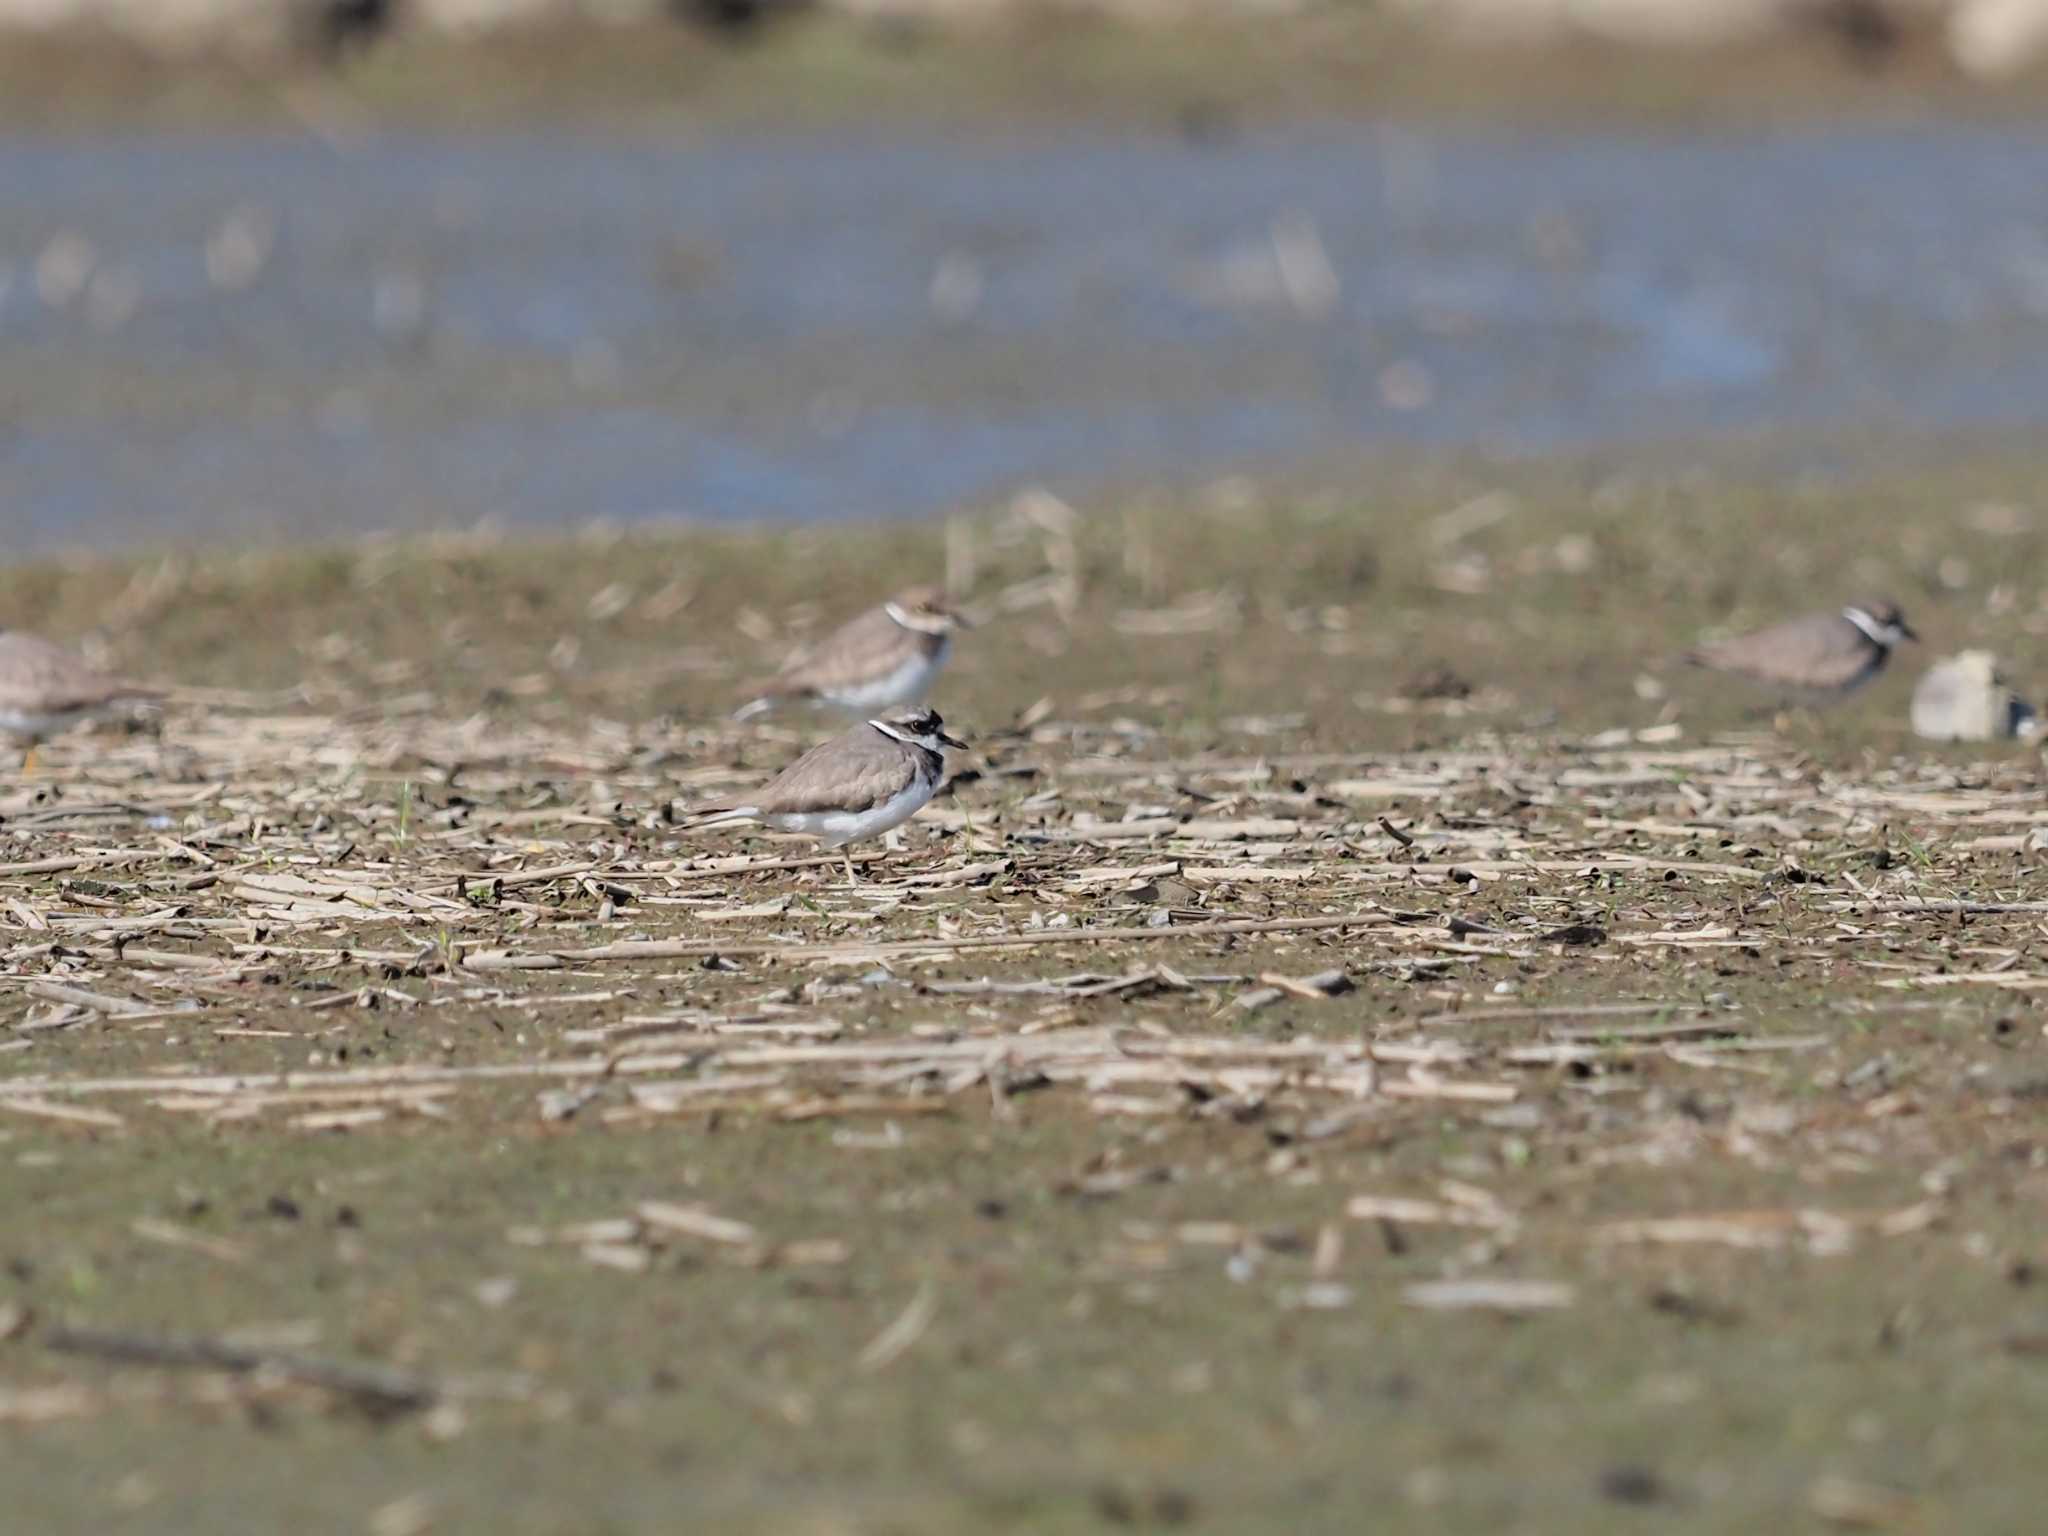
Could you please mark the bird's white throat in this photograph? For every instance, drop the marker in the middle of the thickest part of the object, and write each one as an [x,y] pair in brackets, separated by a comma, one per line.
[1886,635]
[923,624]
[929,743]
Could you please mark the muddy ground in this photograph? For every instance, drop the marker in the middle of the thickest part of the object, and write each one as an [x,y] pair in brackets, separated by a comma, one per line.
[1365,1037]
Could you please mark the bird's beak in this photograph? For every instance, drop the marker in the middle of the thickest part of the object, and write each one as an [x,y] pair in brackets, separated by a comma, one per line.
[1907,630]
[952,742]
[960,620]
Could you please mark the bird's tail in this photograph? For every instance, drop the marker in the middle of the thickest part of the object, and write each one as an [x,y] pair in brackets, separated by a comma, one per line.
[709,817]
[764,693]
[121,691]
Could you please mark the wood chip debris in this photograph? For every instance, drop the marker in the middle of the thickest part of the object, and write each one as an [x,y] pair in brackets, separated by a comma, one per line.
[1510,1296]
[363,922]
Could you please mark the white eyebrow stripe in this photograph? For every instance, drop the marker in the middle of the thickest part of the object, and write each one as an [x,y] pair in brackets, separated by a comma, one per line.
[1879,634]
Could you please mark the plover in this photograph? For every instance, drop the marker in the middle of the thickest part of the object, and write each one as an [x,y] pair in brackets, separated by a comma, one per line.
[861,784]
[45,689]
[888,657]
[1967,698]
[1818,658]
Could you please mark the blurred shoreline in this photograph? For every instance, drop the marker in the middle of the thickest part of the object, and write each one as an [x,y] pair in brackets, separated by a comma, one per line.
[845,270]
[1216,70]
[1984,38]
[247,334]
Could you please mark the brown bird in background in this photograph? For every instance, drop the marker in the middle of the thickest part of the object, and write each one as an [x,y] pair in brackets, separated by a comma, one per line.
[887,657]
[1819,658]
[45,689]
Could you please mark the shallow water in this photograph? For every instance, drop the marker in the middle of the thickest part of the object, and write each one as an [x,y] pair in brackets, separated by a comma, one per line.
[254,335]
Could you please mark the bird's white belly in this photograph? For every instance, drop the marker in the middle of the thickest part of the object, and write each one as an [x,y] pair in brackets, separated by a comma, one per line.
[34,725]
[907,684]
[833,828]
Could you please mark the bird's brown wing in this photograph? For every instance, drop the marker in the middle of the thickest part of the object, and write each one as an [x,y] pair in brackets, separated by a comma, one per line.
[858,650]
[1822,651]
[852,772]
[37,677]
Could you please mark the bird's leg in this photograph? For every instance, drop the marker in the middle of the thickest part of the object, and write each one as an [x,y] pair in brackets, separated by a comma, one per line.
[851,882]
[28,760]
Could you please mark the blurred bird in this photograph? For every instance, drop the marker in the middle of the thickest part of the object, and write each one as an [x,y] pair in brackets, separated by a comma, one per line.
[1966,697]
[866,782]
[887,657]
[45,689]
[1819,658]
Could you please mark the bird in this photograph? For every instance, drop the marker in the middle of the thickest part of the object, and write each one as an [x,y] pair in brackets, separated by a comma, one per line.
[865,782]
[45,688]
[1820,657]
[886,658]
[1966,697]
